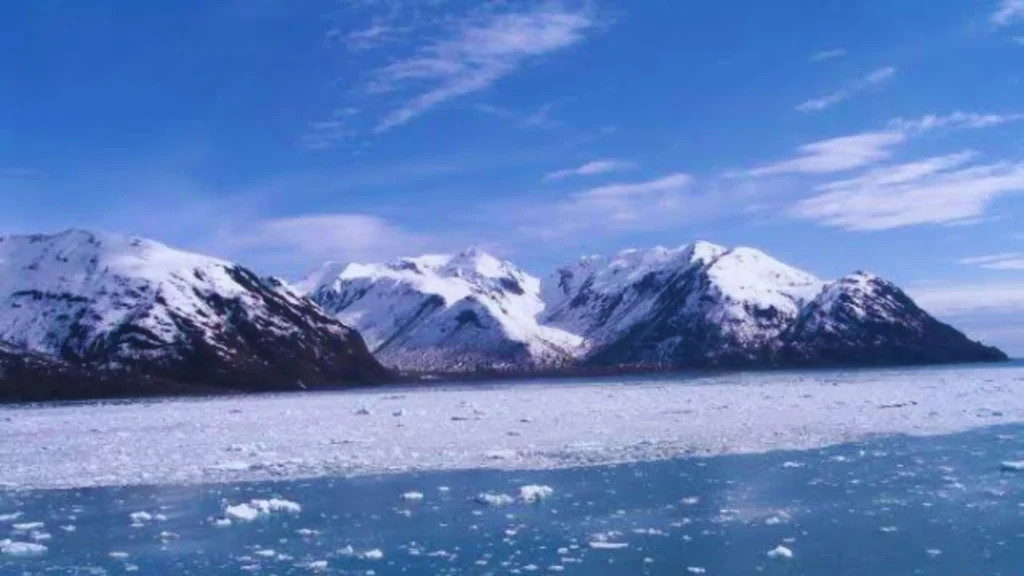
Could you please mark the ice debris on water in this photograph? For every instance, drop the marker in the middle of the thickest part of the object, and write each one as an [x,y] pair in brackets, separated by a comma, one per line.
[21,549]
[534,493]
[494,500]
[247,512]
[695,570]
[10,517]
[412,496]
[1012,466]
[780,551]
[373,554]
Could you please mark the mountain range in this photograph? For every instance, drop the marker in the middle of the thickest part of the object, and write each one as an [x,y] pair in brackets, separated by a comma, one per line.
[86,314]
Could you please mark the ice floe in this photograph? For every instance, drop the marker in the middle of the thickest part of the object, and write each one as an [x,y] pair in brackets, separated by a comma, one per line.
[249,511]
[21,549]
[534,493]
[780,551]
[570,425]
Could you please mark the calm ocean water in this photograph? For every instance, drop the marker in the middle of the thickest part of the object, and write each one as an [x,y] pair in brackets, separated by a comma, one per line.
[889,506]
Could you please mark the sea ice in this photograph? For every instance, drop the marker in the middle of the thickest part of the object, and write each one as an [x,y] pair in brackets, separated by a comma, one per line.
[247,512]
[576,425]
[21,549]
[780,551]
[494,500]
[1012,466]
[412,496]
[534,493]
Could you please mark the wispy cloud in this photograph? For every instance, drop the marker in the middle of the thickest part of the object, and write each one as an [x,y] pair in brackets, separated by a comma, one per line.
[591,168]
[953,120]
[376,34]
[310,239]
[479,50]
[868,148]
[827,55]
[874,78]
[1003,261]
[1008,12]
[972,298]
[932,191]
[539,118]
[326,133]
[836,154]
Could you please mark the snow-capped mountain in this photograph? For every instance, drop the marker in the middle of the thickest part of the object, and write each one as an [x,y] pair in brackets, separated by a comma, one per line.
[863,319]
[135,307]
[462,311]
[694,306]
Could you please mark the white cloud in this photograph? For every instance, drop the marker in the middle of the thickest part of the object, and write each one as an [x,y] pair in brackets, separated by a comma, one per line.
[874,78]
[953,120]
[836,154]
[670,183]
[867,148]
[591,168]
[326,133]
[957,299]
[1003,261]
[481,49]
[372,36]
[827,55]
[1008,12]
[932,191]
[314,238]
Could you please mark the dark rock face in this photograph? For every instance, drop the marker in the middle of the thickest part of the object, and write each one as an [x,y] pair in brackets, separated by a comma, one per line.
[865,320]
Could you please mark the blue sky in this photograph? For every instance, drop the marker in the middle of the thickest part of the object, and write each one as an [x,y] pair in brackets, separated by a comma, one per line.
[834,135]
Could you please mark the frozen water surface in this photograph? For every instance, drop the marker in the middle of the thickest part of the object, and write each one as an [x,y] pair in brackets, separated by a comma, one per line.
[554,424]
[882,473]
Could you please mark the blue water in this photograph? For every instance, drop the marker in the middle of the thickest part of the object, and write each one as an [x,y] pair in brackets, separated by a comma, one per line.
[889,506]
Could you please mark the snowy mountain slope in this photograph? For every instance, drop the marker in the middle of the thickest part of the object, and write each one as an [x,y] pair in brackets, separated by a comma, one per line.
[723,308]
[134,306]
[864,319]
[453,312]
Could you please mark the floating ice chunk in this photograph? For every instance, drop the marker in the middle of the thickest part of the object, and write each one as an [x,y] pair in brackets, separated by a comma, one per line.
[556,568]
[307,532]
[21,549]
[266,553]
[933,552]
[412,496]
[222,522]
[1012,466]
[69,528]
[602,545]
[375,554]
[690,500]
[140,517]
[780,551]
[27,526]
[695,570]
[792,464]
[118,555]
[534,493]
[40,536]
[10,517]
[889,529]
[317,565]
[494,500]
[443,489]
[247,512]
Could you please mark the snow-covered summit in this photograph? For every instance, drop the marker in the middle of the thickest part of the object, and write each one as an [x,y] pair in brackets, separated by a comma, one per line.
[446,311]
[126,303]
